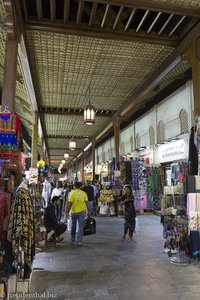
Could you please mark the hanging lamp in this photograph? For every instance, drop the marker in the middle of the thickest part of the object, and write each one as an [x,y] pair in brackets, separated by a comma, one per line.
[89,113]
[66,156]
[63,161]
[72,144]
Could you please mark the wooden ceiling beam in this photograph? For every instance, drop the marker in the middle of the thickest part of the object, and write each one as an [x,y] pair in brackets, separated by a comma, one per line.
[65,149]
[66,10]
[80,12]
[153,6]
[101,33]
[53,10]
[39,9]
[118,17]
[73,111]
[68,137]
[93,14]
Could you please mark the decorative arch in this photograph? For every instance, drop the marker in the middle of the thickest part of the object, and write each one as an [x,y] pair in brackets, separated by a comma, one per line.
[137,141]
[132,144]
[183,115]
[161,132]
[122,148]
[151,135]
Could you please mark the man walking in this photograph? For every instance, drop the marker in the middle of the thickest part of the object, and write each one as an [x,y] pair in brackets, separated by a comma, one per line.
[76,204]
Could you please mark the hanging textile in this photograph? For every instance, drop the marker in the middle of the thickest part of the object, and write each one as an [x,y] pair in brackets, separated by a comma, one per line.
[10,136]
[21,226]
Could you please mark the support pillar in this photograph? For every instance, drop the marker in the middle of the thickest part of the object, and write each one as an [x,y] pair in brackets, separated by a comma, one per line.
[193,56]
[93,160]
[10,65]
[116,126]
[42,149]
[35,141]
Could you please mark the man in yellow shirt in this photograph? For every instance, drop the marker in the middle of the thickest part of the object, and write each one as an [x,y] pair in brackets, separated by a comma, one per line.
[77,203]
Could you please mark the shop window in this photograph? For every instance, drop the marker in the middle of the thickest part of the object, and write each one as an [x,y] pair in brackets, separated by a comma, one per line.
[137,141]
[161,132]
[151,135]
[132,145]
[183,115]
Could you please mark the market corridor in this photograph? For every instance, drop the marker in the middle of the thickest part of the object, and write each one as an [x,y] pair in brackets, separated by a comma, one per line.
[108,268]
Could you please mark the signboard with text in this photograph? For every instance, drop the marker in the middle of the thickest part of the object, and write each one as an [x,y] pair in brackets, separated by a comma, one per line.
[172,151]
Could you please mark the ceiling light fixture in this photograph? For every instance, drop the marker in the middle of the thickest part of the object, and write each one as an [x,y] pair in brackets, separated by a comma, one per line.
[89,113]
[66,156]
[72,144]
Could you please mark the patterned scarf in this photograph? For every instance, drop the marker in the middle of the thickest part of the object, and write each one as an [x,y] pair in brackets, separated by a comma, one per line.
[21,225]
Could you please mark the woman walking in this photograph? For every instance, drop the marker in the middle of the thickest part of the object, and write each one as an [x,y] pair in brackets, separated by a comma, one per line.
[130,214]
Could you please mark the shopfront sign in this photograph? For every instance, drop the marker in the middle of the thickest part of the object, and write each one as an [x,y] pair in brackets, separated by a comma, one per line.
[147,155]
[172,151]
[33,175]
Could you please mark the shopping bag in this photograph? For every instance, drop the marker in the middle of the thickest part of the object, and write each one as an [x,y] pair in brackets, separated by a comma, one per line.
[69,225]
[136,226]
[90,226]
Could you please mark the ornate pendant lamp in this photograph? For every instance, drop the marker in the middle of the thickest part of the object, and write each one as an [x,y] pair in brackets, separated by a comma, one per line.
[89,113]
[72,144]
[66,156]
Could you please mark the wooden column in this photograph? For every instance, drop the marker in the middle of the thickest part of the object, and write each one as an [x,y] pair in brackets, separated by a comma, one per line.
[93,160]
[82,168]
[42,149]
[10,69]
[35,141]
[193,56]
[116,126]
[10,65]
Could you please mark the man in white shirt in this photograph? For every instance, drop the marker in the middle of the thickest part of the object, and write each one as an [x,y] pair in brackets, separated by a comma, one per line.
[57,191]
[46,192]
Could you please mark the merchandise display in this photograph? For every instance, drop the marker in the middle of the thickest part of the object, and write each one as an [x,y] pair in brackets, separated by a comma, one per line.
[175,223]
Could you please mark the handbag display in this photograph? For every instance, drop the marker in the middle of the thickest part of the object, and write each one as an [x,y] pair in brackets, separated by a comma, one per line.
[90,226]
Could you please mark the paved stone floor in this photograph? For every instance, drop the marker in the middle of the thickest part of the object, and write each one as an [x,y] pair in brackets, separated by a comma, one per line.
[108,268]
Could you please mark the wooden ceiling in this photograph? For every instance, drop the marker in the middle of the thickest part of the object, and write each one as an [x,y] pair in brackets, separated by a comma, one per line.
[113,53]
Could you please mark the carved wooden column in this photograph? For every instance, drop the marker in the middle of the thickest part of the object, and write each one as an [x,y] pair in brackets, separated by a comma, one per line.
[10,65]
[116,126]
[93,159]
[193,56]
[35,141]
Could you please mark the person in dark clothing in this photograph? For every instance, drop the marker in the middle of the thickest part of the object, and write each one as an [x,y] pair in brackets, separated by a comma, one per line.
[89,190]
[50,220]
[130,214]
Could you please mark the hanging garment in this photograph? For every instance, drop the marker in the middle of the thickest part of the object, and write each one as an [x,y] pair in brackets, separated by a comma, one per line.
[10,136]
[191,203]
[21,226]
[46,191]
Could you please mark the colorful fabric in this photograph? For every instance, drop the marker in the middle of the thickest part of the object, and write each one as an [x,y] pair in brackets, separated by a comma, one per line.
[10,136]
[191,203]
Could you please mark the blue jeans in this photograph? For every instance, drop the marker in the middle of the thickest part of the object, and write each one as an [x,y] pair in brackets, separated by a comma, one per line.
[80,217]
